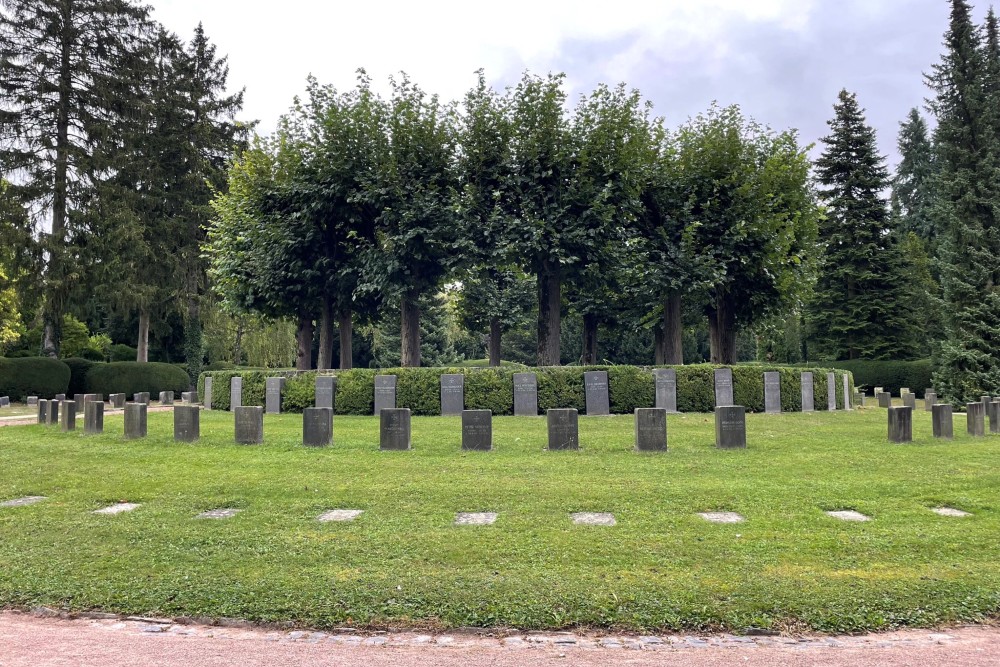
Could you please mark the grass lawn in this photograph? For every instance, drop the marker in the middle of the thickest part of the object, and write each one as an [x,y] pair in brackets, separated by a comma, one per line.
[403,562]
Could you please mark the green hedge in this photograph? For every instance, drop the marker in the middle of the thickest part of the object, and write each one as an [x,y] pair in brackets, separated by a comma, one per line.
[78,368]
[630,387]
[891,375]
[33,376]
[122,352]
[131,377]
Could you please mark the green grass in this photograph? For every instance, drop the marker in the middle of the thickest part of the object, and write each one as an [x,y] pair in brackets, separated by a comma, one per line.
[404,563]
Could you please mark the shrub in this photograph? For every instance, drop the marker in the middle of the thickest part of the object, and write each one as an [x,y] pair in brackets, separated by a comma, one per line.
[33,376]
[131,377]
[21,354]
[79,367]
[121,352]
[892,375]
[92,355]
[253,386]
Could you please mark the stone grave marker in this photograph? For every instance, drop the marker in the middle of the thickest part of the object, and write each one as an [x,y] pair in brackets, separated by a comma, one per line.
[32,401]
[525,395]
[598,400]
[986,400]
[4,401]
[339,515]
[859,400]
[564,428]
[831,392]
[78,402]
[135,420]
[950,512]
[452,394]
[187,423]
[942,421]
[849,515]
[903,390]
[385,393]
[723,386]
[930,398]
[23,502]
[189,397]
[731,427]
[910,400]
[475,518]
[394,428]
[901,424]
[722,517]
[43,410]
[68,416]
[884,399]
[975,414]
[141,397]
[208,392]
[317,427]
[651,429]
[594,519]
[249,425]
[272,395]
[326,391]
[847,393]
[52,417]
[60,397]
[93,417]
[166,398]
[808,402]
[477,430]
[665,380]
[879,390]
[235,393]
[223,512]
[117,508]
[772,393]
[117,401]
[994,413]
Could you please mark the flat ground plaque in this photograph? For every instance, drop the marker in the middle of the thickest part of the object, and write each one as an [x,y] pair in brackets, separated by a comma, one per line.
[564,428]
[475,518]
[594,519]
[339,515]
[849,515]
[525,395]
[723,386]
[477,430]
[326,390]
[595,385]
[222,513]
[22,502]
[772,393]
[722,517]
[385,392]
[452,394]
[950,511]
[665,380]
[118,508]
[394,429]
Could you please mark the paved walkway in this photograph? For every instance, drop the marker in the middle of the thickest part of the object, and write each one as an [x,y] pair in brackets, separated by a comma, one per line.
[40,640]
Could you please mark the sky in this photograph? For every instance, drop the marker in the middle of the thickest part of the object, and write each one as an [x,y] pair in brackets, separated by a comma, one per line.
[782,61]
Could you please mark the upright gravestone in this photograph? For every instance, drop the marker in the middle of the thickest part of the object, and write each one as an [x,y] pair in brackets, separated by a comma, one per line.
[477,430]
[723,386]
[986,400]
[60,397]
[859,400]
[189,397]
[903,390]
[52,417]
[772,393]
[208,393]
[595,385]
[930,399]
[884,399]
[651,429]
[394,428]
[878,390]
[994,413]
[564,428]
[942,421]
[117,401]
[831,392]
[93,417]
[78,402]
[135,420]
[808,402]
[4,401]
[665,380]
[187,423]
[235,393]
[847,392]
[141,397]
[910,400]
[385,393]
[166,398]
[452,394]
[249,425]
[525,395]
[32,401]
[68,416]
[326,390]
[901,424]
[731,427]
[317,426]
[272,395]
[975,419]
[43,410]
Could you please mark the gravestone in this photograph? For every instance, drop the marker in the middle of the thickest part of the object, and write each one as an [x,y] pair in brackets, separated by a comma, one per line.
[326,390]
[731,427]
[986,400]
[135,420]
[117,401]
[665,380]
[385,393]
[4,401]
[272,395]
[93,417]
[595,385]
[808,402]
[166,398]
[43,410]
[235,393]
[564,428]
[477,430]
[394,428]
[52,417]
[68,416]
[859,400]
[884,399]
[189,397]
[994,413]
[901,424]
[651,429]
[942,421]
[317,427]
[60,397]
[930,398]
[903,390]
[847,392]
[831,392]
[78,402]
[772,393]
[249,425]
[525,395]
[975,419]
[32,401]
[187,423]
[208,392]
[452,394]
[879,390]
[141,397]
[910,400]
[723,386]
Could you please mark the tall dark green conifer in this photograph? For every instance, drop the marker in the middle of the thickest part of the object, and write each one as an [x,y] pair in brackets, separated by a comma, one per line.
[912,187]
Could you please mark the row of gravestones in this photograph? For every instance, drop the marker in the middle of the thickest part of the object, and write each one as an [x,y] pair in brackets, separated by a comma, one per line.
[115,401]
[942,422]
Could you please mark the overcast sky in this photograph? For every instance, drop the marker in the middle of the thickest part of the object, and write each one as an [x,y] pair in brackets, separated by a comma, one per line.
[783,61]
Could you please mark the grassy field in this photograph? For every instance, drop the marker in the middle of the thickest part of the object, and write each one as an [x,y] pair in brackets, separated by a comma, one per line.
[404,563]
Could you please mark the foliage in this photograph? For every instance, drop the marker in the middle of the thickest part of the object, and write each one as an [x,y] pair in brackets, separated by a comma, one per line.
[130,377]
[79,367]
[121,352]
[891,375]
[33,376]
[11,327]
[913,185]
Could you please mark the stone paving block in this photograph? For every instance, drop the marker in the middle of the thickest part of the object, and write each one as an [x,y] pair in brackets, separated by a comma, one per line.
[594,519]
[21,502]
[475,518]
[950,511]
[339,515]
[722,517]
[118,508]
[849,515]
[224,513]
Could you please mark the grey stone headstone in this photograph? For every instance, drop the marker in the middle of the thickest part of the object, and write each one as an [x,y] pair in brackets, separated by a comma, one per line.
[564,428]
[859,400]
[135,420]
[235,393]
[326,391]
[942,421]
[60,397]
[884,399]
[52,418]
[879,390]
[452,394]
[665,380]
[651,429]
[68,416]
[831,391]
[903,390]
[78,401]
[4,401]
[208,392]
[901,424]
[723,386]
[975,414]
[394,428]
[772,393]
[93,417]
[32,401]
[731,427]
[525,395]
[189,397]
[117,401]
[249,425]
[385,393]
[994,414]
[187,423]
[595,385]
[930,399]
[166,398]
[272,395]
[317,427]
[808,403]
[477,430]
[847,392]
[910,400]
[141,397]
[986,400]
[43,410]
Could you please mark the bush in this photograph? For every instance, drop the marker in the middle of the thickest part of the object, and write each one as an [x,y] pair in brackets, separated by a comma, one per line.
[79,367]
[892,375]
[33,376]
[121,352]
[21,354]
[253,386]
[92,355]
[131,377]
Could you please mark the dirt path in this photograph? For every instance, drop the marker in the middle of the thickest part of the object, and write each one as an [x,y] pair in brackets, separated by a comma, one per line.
[27,640]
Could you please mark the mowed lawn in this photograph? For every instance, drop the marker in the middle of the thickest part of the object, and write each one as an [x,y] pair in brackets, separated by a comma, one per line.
[405,563]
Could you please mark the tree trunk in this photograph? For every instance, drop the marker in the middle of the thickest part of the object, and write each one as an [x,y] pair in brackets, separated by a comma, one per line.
[673,330]
[325,360]
[722,332]
[590,324]
[142,347]
[238,343]
[410,331]
[193,344]
[346,326]
[495,333]
[549,312]
[659,350]
[304,337]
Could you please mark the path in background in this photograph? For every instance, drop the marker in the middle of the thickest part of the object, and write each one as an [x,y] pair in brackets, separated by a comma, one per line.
[20,420]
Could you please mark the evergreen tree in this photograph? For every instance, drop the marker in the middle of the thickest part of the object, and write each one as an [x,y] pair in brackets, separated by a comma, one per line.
[860,308]
[911,188]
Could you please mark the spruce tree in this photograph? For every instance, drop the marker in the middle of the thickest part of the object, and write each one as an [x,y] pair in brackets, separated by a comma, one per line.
[912,187]
[859,309]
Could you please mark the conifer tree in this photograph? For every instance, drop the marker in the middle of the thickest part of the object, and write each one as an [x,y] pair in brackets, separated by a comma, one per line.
[912,187]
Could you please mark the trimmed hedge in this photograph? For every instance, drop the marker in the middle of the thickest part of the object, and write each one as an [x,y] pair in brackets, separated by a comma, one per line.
[122,352]
[891,375]
[629,387]
[132,377]
[33,376]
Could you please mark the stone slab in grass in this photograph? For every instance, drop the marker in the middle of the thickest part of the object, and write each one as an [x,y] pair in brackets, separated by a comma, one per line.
[594,519]
[722,517]
[21,502]
[849,515]
[222,513]
[477,518]
[339,515]
[118,508]
[950,511]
